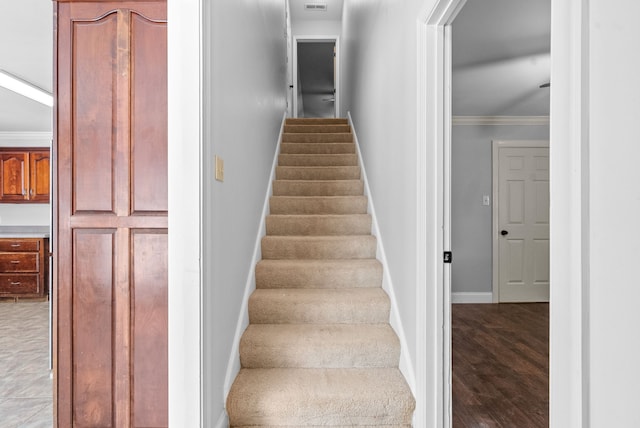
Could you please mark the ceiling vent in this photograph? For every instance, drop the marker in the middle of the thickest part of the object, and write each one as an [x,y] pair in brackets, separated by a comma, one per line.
[320,7]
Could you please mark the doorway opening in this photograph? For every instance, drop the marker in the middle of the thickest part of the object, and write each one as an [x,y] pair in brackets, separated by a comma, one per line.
[316,76]
[447,126]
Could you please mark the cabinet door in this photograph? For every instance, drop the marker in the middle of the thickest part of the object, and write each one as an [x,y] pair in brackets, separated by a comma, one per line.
[15,179]
[111,218]
[39,166]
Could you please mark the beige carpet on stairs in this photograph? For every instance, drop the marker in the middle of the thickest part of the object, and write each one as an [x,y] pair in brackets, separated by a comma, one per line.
[319,350]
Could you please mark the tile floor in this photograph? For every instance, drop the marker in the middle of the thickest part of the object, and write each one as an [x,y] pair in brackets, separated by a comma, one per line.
[26,397]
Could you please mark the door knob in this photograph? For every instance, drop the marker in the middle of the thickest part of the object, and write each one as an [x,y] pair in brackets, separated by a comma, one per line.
[504,233]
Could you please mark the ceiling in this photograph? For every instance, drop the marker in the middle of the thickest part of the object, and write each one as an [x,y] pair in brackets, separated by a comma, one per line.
[26,51]
[501,55]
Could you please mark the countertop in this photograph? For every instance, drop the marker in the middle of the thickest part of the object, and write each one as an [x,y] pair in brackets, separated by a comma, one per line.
[24,231]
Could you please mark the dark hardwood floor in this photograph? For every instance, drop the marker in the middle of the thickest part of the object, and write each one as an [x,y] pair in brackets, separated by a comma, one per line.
[500,356]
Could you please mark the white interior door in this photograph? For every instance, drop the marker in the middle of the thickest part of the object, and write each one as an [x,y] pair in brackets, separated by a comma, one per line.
[522,231]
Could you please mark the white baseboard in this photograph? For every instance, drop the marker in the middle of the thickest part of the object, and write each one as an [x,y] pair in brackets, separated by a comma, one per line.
[223,420]
[233,366]
[406,365]
[472,297]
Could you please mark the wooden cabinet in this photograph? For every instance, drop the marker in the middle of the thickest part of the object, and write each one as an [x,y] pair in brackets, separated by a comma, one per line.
[23,267]
[110,260]
[24,175]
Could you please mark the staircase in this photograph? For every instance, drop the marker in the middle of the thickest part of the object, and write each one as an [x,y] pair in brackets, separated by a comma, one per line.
[319,350]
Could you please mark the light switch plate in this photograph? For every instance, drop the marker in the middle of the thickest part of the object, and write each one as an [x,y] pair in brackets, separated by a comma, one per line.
[219,169]
[486,201]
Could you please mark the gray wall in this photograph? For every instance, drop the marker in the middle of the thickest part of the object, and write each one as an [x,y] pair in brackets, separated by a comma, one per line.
[470,220]
[245,101]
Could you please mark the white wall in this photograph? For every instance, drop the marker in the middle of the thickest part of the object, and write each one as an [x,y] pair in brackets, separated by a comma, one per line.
[316,28]
[245,99]
[471,222]
[379,84]
[595,204]
[614,210]
[25,214]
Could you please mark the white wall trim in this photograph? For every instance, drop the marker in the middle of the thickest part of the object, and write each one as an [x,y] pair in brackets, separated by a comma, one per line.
[223,420]
[406,365]
[233,365]
[500,120]
[316,39]
[185,216]
[433,232]
[472,297]
[26,136]
[569,221]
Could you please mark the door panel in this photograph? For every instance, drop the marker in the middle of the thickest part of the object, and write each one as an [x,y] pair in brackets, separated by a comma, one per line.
[110,309]
[93,286]
[523,214]
[148,141]
[150,249]
[93,143]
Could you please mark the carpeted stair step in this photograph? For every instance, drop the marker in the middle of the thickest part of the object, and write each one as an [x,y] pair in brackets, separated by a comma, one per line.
[316,121]
[319,346]
[319,306]
[318,160]
[317,128]
[320,397]
[317,173]
[328,274]
[319,247]
[318,187]
[317,148]
[351,224]
[340,137]
[318,204]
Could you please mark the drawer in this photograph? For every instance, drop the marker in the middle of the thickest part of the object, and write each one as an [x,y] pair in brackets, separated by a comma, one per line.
[19,284]
[19,262]
[21,245]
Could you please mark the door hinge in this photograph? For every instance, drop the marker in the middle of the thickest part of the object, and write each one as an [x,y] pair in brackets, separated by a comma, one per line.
[448,257]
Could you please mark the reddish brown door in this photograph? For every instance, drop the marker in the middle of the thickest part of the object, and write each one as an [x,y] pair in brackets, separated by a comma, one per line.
[111,215]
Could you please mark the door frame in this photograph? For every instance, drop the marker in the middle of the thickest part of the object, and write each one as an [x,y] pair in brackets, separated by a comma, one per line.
[569,169]
[496,146]
[294,65]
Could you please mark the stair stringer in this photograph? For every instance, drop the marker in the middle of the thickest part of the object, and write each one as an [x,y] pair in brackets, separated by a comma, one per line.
[233,366]
[405,365]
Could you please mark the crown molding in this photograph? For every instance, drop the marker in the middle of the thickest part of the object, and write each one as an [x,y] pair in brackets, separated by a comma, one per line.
[26,135]
[500,120]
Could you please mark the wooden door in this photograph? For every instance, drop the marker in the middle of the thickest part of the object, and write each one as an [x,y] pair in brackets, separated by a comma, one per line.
[13,169]
[111,215]
[39,167]
[523,224]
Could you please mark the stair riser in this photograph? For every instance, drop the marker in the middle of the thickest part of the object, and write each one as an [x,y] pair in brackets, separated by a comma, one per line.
[319,129]
[267,308]
[318,205]
[329,347]
[317,138]
[317,148]
[318,188]
[319,225]
[316,121]
[318,160]
[327,275]
[277,247]
[318,173]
